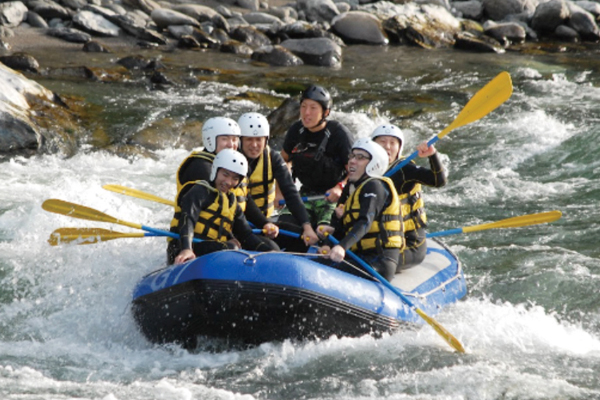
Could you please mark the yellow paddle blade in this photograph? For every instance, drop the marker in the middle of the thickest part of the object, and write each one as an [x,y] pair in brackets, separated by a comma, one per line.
[87,235]
[487,99]
[447,336]
[516,222]
[81,212]
[138,193]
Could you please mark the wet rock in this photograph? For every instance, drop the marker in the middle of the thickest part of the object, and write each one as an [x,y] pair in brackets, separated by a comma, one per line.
[254,18]
[590,6]
[548,16]
[29,115]
[469,9]
[566,34]
[509,32]
[203,39]
[317,10]
[319,51]
[135,25]
[134,62]
[49,10]
[236,47]
[198,12]
[284,116]
[95,47]
[74,4]
[95,24]
[304,30]
[250,36]
[427,26]
[583,23]
[189,42]
[277,56]
[499,10]
[69,35]
[35,20]
[163,17]
[358,27]
[469,42]
[146,6]
[21,62]
[12,13]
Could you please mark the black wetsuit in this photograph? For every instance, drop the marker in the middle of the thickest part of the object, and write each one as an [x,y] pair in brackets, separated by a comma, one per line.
[293,202]
[196,199]
[375,199]
[318,173]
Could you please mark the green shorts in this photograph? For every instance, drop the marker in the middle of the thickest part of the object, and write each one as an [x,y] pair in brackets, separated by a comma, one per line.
[319,211]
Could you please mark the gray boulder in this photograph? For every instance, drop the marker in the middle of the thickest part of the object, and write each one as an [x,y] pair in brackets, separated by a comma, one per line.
[95,24]
[198,12]
[319,51]
[548,16]
[276,55]
[317,10]
[498,10]
[69,35]
[164,17]
[12,13]
[359,27]
[583,22]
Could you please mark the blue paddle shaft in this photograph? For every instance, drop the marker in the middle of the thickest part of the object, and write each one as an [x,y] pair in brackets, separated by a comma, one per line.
[376,274]
[408,159]
[160,232]
[454,231]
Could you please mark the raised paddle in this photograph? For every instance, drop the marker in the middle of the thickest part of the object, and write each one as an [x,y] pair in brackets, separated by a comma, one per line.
[138,193]
[486,100]
[447,336]
[514,222]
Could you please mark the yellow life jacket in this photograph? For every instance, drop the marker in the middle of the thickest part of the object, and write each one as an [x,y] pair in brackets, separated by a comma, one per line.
[386,230]
[262,184]
[412,206]
[215,221]
[241,193]
[413,211]
[203,155]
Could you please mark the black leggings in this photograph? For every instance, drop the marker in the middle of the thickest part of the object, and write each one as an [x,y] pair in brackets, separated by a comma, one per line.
[415,251]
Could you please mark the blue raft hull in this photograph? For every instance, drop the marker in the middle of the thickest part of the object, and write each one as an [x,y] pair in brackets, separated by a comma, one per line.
[250,298]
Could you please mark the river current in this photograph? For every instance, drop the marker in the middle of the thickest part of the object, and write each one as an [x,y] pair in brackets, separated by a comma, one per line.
[530,322]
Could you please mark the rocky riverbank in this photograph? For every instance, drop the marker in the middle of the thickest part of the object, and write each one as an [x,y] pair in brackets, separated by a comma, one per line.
[113,41]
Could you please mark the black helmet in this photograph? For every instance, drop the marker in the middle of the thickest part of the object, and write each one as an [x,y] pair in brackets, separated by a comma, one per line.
[318,94]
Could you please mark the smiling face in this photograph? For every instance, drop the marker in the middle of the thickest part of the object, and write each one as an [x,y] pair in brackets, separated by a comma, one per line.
[226,180]
[391,145]
[357,164]
[312,114]
[252,147]
[226,142]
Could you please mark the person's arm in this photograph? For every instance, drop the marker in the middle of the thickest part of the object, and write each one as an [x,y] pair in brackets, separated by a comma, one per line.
[290,193]
[192,203]
[195,170]
[341,148]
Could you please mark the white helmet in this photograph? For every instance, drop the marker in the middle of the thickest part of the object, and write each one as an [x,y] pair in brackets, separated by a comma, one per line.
[390,130]
[254,125]
[217,126]
[379,158]
[231,160]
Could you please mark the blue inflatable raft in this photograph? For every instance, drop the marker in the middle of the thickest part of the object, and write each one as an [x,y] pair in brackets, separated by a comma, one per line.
[250,298]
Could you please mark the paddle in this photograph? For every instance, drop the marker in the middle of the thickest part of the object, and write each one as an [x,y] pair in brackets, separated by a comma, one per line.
[90,235]
[138,193]
[514,222]
[82,212]
[447,336]
[486,100]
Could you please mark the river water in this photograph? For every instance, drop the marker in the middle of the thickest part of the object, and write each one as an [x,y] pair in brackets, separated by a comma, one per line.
[530,322]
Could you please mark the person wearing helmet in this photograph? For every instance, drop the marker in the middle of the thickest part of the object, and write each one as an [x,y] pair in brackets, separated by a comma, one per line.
[218,133]
[368,219]
[318,150]
[209,211]
[408,181]
[265,169]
